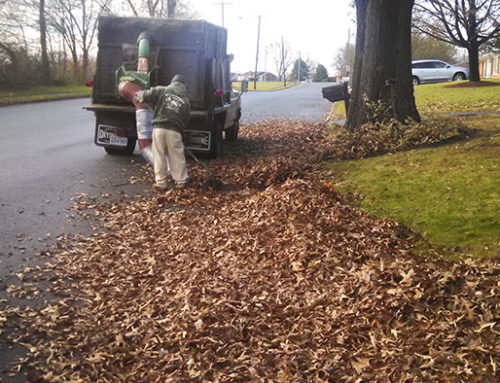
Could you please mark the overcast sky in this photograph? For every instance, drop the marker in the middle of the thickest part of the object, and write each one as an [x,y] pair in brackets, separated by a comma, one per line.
[315,28]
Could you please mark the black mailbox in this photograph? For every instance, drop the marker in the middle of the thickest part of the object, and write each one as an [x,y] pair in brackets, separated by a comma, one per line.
[337,92]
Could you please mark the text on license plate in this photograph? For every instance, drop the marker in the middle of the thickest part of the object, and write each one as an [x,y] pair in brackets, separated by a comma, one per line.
[110,135]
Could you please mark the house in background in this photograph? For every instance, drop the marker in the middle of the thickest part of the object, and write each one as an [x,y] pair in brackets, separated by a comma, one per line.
[489,65]
[237,77]
[267,76]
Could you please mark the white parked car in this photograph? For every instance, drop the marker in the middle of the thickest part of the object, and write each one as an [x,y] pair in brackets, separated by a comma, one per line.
[436,71]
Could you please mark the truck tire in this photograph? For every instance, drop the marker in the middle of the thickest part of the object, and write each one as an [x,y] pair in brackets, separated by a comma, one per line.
[216,143]
[232,132]
[126,151]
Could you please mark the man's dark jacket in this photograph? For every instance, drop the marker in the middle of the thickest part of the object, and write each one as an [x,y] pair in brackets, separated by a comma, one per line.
[171,106]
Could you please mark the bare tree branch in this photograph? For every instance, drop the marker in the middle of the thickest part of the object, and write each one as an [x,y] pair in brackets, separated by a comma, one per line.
[465,23]
[283,58]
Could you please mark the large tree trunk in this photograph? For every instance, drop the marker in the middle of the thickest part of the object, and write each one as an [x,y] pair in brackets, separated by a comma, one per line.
[43,43]
[86,66]
[473,50]
[356,117]
[74,59]
[382,65]
[473,46]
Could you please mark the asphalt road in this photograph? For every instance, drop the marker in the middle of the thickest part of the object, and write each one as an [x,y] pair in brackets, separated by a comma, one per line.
[48,157]
[301,102]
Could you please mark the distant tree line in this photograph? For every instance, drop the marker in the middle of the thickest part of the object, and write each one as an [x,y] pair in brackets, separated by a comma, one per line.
[309,70]
[302,70]
[52,41]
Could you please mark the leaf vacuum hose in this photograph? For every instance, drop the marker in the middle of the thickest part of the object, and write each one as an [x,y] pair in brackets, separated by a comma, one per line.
[143,114]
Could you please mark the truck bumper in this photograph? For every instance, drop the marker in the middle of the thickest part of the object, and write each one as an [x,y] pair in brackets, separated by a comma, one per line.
[116,123]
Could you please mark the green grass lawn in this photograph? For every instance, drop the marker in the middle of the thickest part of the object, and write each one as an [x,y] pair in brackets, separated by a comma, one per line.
[439,98]
[450,193]
[264,85]
[40,93]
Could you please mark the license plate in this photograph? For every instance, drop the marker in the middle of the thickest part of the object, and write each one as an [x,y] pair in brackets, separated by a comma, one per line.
[111,135]
[197,139]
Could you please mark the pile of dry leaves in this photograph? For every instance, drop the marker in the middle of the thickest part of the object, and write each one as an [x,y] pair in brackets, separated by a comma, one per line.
[274,279]
[392,136]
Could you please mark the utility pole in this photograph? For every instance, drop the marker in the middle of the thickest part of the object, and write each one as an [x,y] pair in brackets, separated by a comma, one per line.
[298,75]
[347,50]
[256,56]
[222,4]
[283,66]
[265,58]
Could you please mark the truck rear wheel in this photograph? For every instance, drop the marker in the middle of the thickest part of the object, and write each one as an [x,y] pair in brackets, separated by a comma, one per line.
[216,143]
[126,151]
[232,132]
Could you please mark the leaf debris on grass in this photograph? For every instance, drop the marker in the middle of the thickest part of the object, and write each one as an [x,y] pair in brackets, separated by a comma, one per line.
[275,280]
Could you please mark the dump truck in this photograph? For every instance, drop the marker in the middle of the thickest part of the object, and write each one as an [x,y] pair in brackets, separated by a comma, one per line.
[149,52]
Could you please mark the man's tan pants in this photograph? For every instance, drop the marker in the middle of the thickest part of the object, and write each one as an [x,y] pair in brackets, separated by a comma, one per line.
[169,142]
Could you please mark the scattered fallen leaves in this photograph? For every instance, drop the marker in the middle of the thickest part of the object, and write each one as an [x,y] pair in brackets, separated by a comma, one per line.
[273,279]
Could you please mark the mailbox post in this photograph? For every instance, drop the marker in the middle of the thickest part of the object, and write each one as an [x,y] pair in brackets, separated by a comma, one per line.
[244,86]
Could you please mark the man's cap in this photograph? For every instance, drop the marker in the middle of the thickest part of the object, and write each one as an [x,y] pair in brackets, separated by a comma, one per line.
[179,78]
